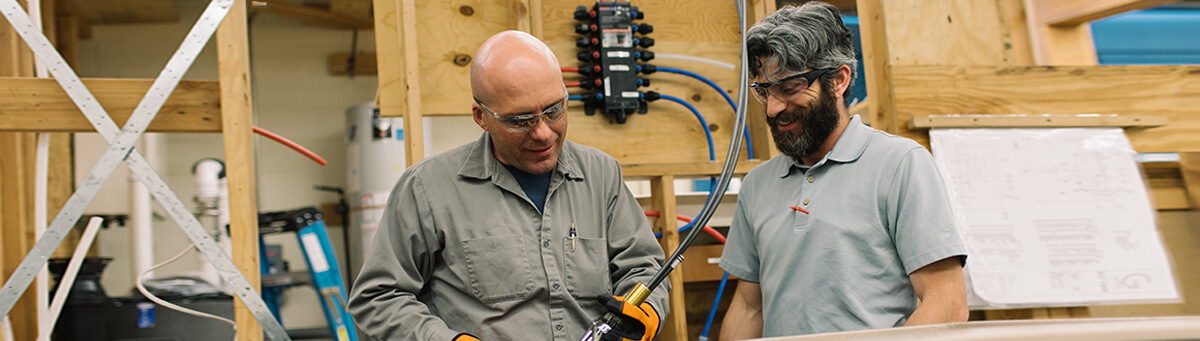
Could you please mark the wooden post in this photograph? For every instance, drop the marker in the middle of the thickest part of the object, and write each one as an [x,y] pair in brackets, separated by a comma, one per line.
[662,190]
[399,82]
[756,120]
[16,187]
[877,71]
[237,118]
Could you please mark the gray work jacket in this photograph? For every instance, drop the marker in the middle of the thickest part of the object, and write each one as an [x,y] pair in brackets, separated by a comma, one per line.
[462,249]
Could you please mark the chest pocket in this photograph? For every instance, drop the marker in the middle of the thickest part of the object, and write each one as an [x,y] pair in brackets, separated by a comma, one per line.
[587,267]
[498,268]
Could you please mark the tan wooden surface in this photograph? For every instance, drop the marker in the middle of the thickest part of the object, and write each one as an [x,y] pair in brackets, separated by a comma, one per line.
[1153,90]
[1190,166]
[311,15]
[364,64]
[125,11]
[32,104]
[1075,12]
[1034,121]
[400,70]
[237,114]
[16,187]
[662,190]
[697,267]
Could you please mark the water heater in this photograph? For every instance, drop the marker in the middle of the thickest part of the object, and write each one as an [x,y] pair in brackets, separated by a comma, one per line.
[376,158]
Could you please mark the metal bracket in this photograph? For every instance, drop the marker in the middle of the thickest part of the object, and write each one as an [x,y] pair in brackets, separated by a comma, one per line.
[121,149]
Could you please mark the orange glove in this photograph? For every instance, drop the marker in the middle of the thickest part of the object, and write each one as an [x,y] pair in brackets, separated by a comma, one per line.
[465,337]
[637,323]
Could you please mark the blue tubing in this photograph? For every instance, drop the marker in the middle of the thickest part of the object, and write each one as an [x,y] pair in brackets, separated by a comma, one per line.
[749,146]
[712,312]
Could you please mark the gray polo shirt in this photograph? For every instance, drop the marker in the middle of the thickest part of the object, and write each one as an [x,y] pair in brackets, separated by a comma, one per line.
[461,248]
[878,211]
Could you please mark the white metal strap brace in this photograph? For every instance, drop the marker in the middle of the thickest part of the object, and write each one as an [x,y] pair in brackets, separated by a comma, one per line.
[122,150]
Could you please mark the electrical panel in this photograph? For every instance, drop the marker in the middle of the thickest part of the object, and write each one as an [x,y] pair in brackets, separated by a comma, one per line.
[611,47]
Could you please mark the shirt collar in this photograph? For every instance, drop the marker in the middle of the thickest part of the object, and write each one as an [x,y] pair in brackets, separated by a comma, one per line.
[848,147]
[481,163]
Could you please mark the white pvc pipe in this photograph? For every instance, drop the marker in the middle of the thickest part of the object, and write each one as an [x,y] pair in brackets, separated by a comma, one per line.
[141,225]
[695,59]
[68,278]
[41,174]
[42,283]
[213,197]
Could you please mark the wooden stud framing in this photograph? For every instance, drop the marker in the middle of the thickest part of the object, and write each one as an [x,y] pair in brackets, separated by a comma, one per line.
[33,104]
[876,70]
[1023,121]
[1074,12]
[760,133]
[311,15]
[17,151]
[1190,166]
[399,81]
[662,190]
[359,9]
[237,123]
[364,64]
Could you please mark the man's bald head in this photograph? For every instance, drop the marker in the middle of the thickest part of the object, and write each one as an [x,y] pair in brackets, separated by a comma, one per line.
[511,62]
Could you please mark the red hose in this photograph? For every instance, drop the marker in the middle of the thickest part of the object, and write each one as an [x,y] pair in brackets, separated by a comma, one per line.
[292,145]
[685,219]
[571,84]
[570,69]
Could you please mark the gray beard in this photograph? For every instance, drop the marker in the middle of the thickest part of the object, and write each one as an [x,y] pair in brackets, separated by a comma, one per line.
[817,122]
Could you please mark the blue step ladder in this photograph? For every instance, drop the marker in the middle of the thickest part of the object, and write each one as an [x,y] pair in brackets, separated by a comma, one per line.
[323,271]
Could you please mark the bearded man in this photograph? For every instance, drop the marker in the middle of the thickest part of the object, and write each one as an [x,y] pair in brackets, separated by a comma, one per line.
[850,226]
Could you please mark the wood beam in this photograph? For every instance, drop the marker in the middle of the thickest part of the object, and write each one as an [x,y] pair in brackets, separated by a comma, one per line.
[520,16]
[1013,12]
[364,64]
[16,222]
[67,28]
[1036,121]
[697,267]
[399,70]
[311,15]
[125,11]
[877,71]
[237,113]
[32,104]
[1154,90]
[1074,12]
[684,169]
[17,162]
[359,9]
[662,190]
[1189,164]
[760,133]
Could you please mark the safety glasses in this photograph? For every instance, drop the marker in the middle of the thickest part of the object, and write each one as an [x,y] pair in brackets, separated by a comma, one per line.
[522,123]
[789,88]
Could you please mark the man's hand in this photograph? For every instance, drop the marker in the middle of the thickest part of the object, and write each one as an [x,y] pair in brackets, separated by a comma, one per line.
[637,323]
[465,337]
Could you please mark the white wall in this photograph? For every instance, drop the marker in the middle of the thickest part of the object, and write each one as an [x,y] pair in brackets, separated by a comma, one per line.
[294,96]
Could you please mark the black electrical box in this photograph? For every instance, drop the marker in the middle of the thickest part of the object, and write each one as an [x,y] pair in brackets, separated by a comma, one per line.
[610,58]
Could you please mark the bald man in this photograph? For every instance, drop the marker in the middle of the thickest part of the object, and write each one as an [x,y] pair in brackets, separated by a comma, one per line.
[515,235]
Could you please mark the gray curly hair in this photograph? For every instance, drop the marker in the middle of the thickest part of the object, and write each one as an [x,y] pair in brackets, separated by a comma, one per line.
[799,38]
